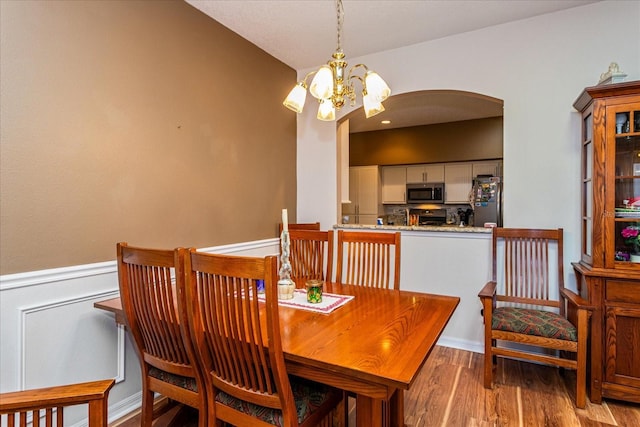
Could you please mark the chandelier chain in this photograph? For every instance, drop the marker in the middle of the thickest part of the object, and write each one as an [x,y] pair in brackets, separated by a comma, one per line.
[340,18]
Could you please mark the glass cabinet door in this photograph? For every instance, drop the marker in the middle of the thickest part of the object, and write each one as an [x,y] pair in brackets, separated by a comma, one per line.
[623,127]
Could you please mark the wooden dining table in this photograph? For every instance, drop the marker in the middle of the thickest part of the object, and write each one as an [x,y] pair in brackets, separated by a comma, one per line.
[373,346]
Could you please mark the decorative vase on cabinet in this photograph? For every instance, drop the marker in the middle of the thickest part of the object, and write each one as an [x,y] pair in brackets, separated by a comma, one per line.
[608,272]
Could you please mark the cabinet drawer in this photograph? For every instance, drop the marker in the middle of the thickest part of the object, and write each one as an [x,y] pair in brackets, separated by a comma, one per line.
[623,291]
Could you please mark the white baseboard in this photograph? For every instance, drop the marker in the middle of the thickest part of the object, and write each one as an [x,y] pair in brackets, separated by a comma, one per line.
[125,407]
[467,345]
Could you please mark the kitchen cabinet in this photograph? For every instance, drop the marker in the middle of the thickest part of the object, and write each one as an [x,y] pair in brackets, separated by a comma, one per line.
[608,272]
[491,167]
[364,193]
[425,173]
[457,182]
[394,184]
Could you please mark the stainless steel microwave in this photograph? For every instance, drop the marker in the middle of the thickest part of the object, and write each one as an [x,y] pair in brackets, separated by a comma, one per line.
[425,193]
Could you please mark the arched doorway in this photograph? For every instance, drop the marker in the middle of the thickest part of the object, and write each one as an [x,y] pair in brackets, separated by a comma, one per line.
[430,126]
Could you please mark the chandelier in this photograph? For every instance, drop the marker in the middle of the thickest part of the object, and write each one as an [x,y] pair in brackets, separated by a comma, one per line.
[330,87]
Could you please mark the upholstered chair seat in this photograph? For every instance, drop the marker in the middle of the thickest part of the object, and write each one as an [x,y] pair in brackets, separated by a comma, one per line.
[308,396]
[540,323]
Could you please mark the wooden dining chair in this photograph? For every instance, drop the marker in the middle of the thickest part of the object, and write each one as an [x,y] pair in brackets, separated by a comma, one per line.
[158,326]
[46,405]
[310,255]
[369,259]
[301,226]
[238,342]
[528,313]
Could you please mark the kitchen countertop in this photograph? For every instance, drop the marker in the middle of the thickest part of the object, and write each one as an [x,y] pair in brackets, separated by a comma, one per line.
[429,228]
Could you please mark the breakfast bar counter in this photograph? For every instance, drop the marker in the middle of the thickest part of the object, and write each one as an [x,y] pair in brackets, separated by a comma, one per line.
[422,228]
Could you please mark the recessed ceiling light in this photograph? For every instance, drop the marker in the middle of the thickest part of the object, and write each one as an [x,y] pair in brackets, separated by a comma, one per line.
[386,122]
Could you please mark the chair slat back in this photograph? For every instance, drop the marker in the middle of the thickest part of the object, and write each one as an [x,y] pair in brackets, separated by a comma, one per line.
[224,312]
[369,259]
[526,264]
[311,255]
[150,302]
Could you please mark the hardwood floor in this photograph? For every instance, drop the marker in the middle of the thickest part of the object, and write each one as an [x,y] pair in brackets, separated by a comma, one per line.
[449,392]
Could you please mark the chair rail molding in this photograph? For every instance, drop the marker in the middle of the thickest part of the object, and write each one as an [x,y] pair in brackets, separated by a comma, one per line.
[62,274]
[255,248]
[55,275]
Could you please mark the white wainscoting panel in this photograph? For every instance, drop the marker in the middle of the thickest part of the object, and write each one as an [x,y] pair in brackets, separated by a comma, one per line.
[90,354]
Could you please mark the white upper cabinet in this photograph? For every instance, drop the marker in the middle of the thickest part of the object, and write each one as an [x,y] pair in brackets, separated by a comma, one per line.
[425,173]
[489,167]
[457,182]
[394,184]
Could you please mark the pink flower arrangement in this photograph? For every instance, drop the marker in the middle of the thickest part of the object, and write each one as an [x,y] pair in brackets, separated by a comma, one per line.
[631,236]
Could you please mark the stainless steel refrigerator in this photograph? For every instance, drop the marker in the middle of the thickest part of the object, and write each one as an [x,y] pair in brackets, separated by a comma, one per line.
[487,200]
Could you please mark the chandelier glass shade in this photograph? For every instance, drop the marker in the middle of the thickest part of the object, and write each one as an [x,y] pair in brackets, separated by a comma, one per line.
[332,89]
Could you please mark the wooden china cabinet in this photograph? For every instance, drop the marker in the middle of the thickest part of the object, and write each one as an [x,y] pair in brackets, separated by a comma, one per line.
[608,272]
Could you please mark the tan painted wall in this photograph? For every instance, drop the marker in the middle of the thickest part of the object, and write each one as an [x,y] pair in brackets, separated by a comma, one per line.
[446,142]
[143,121]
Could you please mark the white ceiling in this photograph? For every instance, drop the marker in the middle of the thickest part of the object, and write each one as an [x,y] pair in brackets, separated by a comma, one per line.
[303,34]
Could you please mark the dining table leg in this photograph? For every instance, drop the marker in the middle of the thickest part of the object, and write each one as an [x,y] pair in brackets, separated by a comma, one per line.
[376,412]
[369,412]
[396,409]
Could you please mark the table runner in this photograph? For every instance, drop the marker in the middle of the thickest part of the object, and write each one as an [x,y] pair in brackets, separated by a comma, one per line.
[329,302]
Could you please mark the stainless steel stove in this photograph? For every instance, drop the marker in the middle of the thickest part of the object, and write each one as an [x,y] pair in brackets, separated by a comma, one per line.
[433,217]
